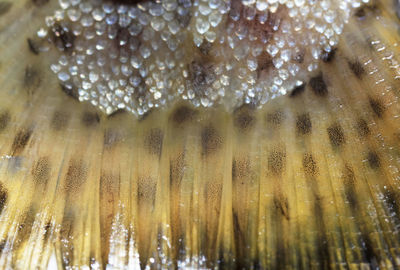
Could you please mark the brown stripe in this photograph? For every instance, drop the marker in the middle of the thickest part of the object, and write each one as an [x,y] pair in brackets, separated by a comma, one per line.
[20,141]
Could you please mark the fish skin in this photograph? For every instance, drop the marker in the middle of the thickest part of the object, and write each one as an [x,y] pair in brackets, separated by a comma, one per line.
[306,181]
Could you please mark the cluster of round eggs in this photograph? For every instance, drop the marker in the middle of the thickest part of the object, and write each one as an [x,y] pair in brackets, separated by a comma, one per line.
[152,53]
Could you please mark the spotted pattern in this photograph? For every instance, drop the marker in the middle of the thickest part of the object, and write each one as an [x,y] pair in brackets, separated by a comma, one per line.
[282,186]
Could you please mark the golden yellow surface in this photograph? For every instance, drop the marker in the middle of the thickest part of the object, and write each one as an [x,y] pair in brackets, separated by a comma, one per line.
[305,182]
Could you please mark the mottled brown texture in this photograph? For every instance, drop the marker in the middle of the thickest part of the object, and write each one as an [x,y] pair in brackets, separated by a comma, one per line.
[112,137]
[309,165]
[362,128]
[154,141]
[241,168]
[5,7]
[182,114]
[244,118]
[41,171]
[70,91]
[33,46]
[298,90]
[328,57]
[146,191]
[59,120]
[303,124]
[357,69]
[349,180]
[75,177]
[21,139]
[32,79]
[374,160]
[90,119]
[211,141]
[318,85]
[377,107]
[62,37]
[282,205]
[275,118]
[276,162]
[336,135]
[5,119]
[176,170]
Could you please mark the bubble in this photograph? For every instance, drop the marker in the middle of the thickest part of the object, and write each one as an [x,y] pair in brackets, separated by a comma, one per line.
[137,57]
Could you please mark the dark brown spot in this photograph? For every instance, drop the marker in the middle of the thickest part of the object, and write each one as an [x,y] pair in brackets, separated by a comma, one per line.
[336,135]
[40,3]
[70,91]
[205,47]
[360,13]
[348,176]
[327,57]
[276,162]
[303,124]
[367,10]
[41,171]
[239,236]
[264,63]
[182,114]
[211,141]
[298,90]
[60,120]
[3,197]
[20,141]
[244,118]
[377,107]
[241,168]
[309,165]
[349,186]
[318,85]
[154,141]
[62,37]
[5,7]
[3,244]
[33,47]
[282,205]
[362,128]
[90,119]
[322,244]
[31,79]
[184,18]
[275,118]
[76,176]
[48,228]
[373,160]
[4,120]
[357,69]
[369,251]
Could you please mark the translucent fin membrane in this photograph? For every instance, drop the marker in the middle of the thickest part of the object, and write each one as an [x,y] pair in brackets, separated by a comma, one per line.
[140,56]
[310,180]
